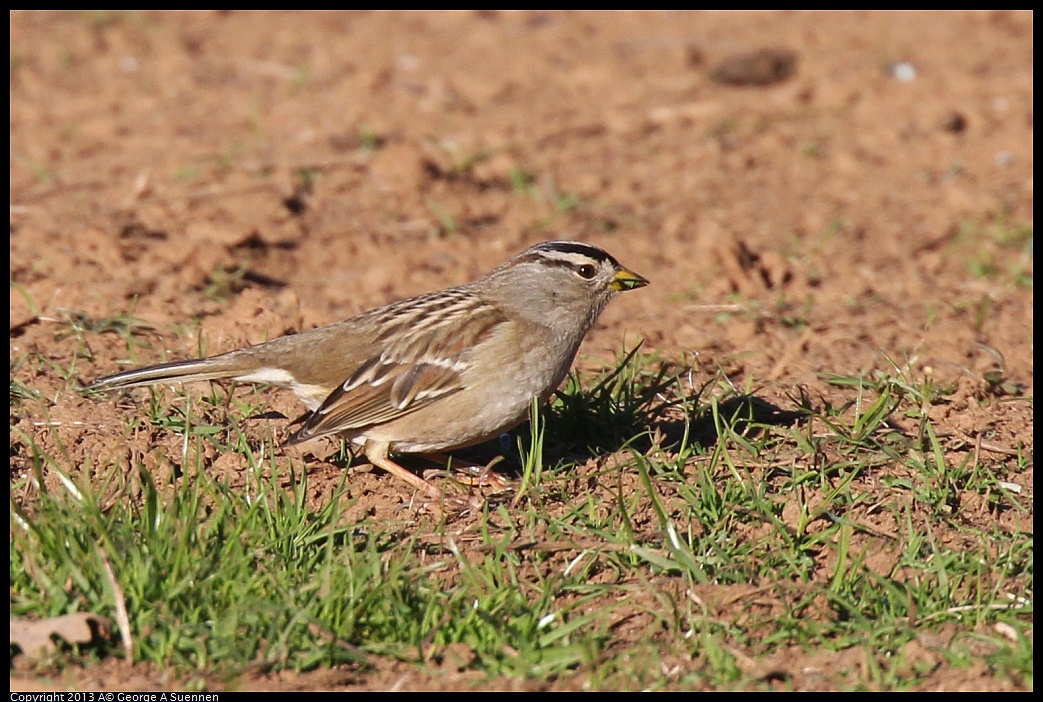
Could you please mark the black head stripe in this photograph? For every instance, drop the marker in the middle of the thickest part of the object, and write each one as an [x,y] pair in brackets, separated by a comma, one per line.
[576,247]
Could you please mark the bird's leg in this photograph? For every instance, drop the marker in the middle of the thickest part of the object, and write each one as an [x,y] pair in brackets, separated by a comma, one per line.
[377,453]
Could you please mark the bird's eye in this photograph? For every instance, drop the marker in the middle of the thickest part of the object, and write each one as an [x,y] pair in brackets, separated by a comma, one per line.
[587,271]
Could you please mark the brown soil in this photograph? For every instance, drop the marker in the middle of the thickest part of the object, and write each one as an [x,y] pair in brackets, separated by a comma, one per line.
[853,184]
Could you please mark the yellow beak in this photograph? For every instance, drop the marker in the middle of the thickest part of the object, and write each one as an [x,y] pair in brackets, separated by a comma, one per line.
[627,280]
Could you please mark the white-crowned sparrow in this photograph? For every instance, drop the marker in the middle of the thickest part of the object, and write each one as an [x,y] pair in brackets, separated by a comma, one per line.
[440,371]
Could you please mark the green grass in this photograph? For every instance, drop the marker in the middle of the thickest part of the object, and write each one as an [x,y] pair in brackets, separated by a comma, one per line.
[662,535]
[999,251]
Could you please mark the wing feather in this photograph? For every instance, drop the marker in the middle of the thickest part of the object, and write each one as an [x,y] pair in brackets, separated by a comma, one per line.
[423,364]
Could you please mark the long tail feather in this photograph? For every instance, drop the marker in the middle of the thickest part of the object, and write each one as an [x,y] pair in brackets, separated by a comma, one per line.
[173,372]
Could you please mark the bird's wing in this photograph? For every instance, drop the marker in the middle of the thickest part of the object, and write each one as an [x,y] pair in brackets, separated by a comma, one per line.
[421,360]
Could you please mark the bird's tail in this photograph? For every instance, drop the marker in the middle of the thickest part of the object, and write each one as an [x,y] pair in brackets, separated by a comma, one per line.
[214,368]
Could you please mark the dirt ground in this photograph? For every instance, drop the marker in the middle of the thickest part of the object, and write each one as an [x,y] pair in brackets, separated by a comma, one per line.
[856,185]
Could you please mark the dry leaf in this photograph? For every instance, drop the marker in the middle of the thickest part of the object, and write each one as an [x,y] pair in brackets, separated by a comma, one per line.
[36,637]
